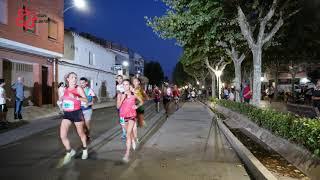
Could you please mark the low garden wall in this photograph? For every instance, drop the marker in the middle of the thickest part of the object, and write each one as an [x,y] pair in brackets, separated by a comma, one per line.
[295,138]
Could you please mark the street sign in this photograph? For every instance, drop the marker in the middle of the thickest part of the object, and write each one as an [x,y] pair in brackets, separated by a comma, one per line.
[117,67]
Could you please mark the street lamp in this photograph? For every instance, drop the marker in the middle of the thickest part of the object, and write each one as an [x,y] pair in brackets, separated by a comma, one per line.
[80,4]
[198,83]
[125,63]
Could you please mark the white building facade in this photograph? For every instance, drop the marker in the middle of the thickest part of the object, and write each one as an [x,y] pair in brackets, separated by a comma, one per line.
[136,64]
[90,60]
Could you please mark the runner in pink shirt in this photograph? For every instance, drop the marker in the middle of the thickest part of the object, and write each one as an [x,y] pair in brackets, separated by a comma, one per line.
[126,103]
[71,104]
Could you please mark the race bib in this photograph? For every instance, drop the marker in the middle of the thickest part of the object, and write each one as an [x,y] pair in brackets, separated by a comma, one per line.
[68,105]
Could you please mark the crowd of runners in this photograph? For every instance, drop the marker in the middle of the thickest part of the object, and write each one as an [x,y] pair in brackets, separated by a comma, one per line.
[76,101]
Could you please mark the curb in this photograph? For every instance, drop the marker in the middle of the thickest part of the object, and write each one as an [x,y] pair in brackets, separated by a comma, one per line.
[253,165]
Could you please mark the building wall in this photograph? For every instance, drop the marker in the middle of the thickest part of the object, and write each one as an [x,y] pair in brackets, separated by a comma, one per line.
[28,66]
[52,9]
[99,72]
[103,84]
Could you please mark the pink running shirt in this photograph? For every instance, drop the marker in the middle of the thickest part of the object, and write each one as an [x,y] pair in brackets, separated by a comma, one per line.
[126,109]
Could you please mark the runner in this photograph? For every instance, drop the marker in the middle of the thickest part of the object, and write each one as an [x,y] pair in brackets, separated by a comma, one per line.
[167,96]
[176,96]
[71,102]
[61,88]
[3,107]
[119,84]
[126,103]
[87,107]
[157,97]
[139,92]
[120,90]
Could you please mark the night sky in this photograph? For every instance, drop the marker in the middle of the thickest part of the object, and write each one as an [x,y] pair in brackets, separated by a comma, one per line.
[122,21]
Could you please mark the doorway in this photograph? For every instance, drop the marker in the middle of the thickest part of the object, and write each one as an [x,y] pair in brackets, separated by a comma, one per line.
[46,90]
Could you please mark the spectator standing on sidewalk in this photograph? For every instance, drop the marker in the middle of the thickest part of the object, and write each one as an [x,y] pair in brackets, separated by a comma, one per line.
[247,94]
[18,87]
[316,95]
[270,93]
[231,95]
[225,93]
[3,106]
[87,107]
[61,88]
[71,103]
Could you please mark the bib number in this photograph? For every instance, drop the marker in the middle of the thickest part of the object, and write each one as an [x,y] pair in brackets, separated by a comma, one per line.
[68,105]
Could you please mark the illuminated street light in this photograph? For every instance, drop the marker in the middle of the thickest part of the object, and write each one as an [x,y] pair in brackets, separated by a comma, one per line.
[125,63]
[202,87]
[262,79]
[198,82]
[80,4]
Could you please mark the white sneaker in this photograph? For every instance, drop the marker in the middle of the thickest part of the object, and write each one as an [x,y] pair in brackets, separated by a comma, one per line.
[137,140]
[134,145]
[84,154]
[68,156]
[125,159]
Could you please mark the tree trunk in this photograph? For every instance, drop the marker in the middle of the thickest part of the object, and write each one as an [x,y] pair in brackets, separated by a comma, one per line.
[256,86]
[219,86]
[237,70]
[213,84]
[276,80]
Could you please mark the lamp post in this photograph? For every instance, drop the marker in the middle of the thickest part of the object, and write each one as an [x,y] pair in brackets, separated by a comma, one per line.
[125,64]
[80,4]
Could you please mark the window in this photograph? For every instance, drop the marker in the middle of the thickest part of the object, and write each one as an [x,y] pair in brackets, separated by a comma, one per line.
[91,58]
[52,29]
[4,11]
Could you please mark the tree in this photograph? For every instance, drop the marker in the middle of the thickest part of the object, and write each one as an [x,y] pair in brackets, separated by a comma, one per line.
[180,77]
[203,28]
[153,71]
[256,45]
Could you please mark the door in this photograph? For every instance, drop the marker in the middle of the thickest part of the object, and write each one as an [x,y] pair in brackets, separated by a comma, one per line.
[46,90]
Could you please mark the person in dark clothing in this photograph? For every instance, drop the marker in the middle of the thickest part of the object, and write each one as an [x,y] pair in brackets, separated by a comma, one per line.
[316,95]
[18,87]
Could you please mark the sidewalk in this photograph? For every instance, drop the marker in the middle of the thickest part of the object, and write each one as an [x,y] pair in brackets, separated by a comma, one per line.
[39,118]
[275,105]
[188,146]
[32,113]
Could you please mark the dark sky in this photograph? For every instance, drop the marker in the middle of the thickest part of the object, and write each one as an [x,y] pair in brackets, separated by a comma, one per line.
[123,21]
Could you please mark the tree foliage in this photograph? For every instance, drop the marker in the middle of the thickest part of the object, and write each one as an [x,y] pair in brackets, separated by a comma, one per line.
[153,71]
[179,75]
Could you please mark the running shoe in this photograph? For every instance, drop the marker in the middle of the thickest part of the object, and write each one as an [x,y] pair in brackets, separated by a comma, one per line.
[84,154]
[125,159]
[68,156]
[134,145]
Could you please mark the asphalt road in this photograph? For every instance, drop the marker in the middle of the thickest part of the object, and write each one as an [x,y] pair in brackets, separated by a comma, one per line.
[37,156]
